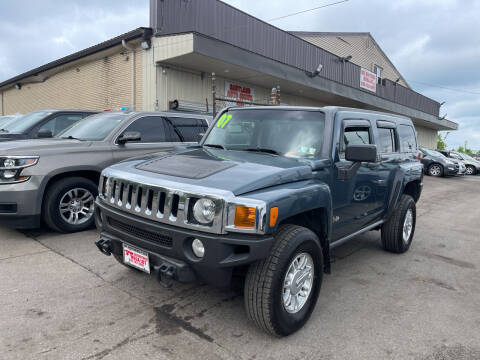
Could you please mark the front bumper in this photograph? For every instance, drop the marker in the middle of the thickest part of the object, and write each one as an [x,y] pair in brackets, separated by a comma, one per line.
[451,170]
[20,204]
[169,247]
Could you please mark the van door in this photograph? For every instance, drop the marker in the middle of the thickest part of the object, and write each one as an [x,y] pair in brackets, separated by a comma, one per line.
[355,201]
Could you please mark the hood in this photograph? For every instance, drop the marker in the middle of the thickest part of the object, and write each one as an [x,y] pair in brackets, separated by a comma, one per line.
[237,171]
[41,146]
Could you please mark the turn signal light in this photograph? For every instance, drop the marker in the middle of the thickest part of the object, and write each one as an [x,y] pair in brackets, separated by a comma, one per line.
[245,217]
[273,216]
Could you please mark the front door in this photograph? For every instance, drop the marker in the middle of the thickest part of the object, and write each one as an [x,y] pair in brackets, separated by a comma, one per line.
[156,134]
[355,200]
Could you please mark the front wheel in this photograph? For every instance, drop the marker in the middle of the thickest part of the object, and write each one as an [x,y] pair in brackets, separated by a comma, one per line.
[69,205]
[281,291]
[398,231]
[435,170]
[470,170]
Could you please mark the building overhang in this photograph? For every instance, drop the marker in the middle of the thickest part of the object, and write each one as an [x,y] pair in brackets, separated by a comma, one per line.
[205,54]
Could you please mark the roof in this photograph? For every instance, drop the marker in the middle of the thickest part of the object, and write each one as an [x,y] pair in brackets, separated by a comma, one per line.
[134,34]
[363,34]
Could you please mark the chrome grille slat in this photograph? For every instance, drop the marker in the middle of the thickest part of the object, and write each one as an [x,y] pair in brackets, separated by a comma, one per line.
[156,198]
[155,211]
[117,191]
[143,205]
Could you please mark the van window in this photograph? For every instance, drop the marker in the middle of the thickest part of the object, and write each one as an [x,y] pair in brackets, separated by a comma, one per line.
[408,140]
[386,143]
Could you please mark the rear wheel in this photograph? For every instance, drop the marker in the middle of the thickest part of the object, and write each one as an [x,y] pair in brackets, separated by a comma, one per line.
[470,170]
[398,231]
[435,170]
[281,291]
[69,205]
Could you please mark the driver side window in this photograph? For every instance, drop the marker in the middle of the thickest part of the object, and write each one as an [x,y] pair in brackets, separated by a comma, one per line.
[355,135]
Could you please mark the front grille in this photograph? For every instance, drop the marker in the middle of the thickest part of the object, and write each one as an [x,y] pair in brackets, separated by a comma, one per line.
[160,204]
[162,240]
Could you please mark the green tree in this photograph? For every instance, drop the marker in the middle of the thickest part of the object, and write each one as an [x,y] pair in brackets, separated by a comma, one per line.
[441,143]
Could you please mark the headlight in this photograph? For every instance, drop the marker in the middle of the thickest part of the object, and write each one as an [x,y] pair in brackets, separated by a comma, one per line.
[204,211]
[12,166]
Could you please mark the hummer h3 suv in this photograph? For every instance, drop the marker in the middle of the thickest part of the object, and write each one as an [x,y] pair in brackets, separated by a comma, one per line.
[267,193]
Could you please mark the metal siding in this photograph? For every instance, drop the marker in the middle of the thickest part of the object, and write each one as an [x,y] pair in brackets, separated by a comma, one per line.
[225,23]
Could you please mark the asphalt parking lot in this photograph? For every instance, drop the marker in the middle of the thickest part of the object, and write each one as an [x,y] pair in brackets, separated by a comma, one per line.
[61,299]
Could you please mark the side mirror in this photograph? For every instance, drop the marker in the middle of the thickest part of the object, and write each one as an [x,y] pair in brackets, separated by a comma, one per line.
[200,137]
[361,153]
[129,136]
[44,133]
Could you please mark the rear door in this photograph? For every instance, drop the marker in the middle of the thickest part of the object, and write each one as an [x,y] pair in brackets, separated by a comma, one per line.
[157,134]
[389,174]
[355,202]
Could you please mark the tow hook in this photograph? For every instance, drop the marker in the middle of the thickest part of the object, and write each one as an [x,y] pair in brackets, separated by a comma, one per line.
[104,246]
[165,273]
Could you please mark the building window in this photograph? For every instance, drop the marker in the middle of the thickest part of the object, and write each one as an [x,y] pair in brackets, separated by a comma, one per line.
[378,71]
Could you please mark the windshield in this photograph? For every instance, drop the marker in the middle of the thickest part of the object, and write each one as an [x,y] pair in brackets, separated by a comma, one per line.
[5,120]
[25,122]
[291,133]
[93,128]
[465,156]
[433,153]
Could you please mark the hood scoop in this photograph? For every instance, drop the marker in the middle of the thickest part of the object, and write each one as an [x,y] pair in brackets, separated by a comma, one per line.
[189,167]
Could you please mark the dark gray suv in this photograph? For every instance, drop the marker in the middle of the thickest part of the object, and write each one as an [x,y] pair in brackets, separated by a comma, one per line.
[56,179]
[266,195]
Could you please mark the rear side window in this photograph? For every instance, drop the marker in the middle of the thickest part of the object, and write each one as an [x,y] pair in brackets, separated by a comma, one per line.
[386,143]
[189,128]
[408,140]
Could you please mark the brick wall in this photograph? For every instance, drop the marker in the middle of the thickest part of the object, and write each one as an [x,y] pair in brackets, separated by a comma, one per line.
[97,82]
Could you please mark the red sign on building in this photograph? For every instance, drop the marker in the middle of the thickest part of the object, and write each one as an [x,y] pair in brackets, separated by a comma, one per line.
[238,92]
[368,80]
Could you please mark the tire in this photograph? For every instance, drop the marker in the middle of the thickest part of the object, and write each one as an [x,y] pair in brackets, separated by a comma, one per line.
[393,238]
[264,285]
[435,170]
[470,170]
[61,192]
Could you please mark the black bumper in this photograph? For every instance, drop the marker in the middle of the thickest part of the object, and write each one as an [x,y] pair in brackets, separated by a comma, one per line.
[169,247]
[20,221]
[451,171]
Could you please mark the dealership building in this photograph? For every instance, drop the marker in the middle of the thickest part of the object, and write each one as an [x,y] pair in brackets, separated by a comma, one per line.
[201,55]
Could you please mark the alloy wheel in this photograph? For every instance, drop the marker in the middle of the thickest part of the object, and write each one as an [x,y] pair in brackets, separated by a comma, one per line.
[77,206]
[298,283]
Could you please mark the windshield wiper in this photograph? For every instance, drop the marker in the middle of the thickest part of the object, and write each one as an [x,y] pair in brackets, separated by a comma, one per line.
[4,130]
[216,146]
[264,150]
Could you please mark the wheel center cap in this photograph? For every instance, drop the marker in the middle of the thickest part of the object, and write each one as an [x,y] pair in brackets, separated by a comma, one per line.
[298,281]
[76,205]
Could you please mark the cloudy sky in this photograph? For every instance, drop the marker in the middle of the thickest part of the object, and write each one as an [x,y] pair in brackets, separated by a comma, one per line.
[435,44]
